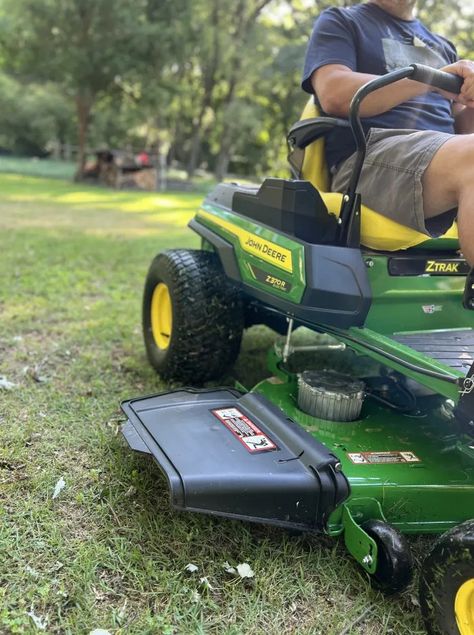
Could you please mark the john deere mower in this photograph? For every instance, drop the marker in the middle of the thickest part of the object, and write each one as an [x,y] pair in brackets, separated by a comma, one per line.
[371,457]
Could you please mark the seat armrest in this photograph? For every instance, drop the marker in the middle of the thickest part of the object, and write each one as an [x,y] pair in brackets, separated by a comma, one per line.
[304,132]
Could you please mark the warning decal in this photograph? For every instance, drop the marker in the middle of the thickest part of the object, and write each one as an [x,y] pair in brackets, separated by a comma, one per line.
[382,457]
[245,430]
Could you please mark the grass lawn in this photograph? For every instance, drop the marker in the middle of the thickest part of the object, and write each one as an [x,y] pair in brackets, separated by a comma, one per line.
[32,166]
[109,552]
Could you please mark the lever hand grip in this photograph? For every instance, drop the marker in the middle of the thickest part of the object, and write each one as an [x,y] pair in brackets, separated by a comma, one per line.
[439,79]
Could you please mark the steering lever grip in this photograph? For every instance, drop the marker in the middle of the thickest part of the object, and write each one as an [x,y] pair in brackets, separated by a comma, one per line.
[439,79]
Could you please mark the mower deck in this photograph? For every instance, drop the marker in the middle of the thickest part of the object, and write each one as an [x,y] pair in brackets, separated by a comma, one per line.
[416,465]
[235,455]
[245,457]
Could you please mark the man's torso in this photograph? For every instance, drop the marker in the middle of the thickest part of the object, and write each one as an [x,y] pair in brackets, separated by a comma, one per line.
[369,40]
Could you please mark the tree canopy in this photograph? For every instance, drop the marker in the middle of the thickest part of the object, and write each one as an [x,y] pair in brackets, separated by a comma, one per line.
[212,83]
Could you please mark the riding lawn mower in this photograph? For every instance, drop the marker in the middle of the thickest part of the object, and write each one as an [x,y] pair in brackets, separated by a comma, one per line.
[371,456]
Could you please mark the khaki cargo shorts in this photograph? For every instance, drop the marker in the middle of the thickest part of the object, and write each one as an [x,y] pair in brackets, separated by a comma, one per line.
[391,179]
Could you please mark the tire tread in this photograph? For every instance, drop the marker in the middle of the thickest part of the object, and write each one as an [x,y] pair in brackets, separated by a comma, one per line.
[207,316]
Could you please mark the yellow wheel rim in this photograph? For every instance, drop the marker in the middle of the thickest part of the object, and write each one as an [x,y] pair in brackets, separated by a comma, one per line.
[161,316]
[464,608]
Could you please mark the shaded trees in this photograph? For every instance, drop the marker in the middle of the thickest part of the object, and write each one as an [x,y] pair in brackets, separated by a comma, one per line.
[85,46]
[214,83]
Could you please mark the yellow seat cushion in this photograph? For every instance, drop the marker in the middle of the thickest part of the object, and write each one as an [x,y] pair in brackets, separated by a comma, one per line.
[377,231]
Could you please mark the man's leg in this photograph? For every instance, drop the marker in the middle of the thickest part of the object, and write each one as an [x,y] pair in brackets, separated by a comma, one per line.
[448,182]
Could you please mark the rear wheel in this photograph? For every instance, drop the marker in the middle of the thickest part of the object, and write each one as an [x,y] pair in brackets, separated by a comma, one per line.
[192,316]
[447,583]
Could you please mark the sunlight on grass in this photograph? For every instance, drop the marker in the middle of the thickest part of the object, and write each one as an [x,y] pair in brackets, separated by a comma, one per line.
[96,211]
[24,189]
[129,202]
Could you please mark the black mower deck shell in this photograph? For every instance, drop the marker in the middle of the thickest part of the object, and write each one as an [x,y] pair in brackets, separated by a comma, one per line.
[294,483]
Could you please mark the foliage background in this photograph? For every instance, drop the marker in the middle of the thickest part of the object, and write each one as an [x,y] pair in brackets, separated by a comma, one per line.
[210,83]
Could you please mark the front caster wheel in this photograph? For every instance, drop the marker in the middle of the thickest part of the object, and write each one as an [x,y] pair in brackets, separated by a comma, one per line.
[192,316]
[447,583]
[394,560]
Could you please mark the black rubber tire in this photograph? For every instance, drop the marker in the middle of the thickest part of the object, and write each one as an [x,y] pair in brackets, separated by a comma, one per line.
[394,562]
[207,316]
[449,564]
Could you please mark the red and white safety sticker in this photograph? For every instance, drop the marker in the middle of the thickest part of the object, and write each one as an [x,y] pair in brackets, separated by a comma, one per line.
[244,430]
[379,458]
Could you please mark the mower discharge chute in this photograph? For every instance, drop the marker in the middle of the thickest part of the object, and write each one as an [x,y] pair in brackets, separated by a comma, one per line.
[371,457]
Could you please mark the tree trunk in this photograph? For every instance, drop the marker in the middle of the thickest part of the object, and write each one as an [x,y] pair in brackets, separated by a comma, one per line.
[223,158]
[244,25]
[196,144]
[222,164]
[83,107]
[210,79]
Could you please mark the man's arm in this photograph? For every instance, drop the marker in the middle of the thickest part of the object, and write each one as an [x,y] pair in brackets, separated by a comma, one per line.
[335,85]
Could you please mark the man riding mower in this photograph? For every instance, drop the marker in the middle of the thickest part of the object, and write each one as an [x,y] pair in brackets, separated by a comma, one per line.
[415,133]
[386,449]
[372,456]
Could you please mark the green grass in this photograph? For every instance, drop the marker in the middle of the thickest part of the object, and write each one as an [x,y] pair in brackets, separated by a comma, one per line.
[109,552]
[33,166]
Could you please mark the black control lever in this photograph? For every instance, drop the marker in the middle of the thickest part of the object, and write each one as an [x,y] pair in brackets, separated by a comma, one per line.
[439,79]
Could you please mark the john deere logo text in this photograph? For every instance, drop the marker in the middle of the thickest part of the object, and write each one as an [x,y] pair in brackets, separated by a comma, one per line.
[277,255]
[433,266]
[265,248]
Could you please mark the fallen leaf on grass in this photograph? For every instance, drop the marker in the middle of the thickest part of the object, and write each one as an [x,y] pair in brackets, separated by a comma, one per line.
[58,487]
[195,596]
[228,568]
[5,384]
[39,621]
[32,572]
[191,568]
[99,595]
[34,374]
[245,570]
[57,566]
[414,600]
[205,582]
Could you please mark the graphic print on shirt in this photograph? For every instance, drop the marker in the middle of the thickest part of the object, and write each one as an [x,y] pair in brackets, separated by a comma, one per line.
[399,54]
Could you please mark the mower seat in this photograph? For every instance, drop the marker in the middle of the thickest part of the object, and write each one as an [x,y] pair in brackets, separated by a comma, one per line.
[377,231]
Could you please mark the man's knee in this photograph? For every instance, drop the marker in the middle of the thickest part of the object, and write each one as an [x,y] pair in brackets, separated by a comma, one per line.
[451,168]
[457,160]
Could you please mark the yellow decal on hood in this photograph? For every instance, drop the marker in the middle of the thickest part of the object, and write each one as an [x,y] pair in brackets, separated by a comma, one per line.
[253,244]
